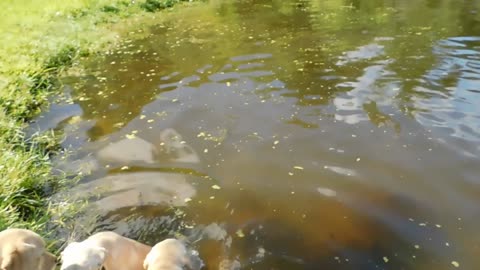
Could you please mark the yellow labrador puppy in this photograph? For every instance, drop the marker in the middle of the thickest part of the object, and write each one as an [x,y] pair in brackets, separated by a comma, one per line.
[24,250]
[170,254]
[104,250]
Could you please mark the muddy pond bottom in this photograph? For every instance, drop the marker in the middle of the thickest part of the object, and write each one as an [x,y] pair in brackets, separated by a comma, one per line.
[286,134]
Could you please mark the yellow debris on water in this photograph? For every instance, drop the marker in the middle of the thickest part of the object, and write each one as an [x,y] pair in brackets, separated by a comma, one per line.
[74,120]
[240,233]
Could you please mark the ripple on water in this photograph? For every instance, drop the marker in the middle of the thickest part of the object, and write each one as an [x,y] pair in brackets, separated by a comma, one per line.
[457,62]
[250,57]
[366,52]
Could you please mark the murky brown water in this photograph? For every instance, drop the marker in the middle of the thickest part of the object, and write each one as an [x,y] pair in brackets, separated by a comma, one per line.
[289,134]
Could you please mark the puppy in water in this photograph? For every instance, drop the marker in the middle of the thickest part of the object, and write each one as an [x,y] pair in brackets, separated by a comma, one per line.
[170,254]
[24,250]
[104,250]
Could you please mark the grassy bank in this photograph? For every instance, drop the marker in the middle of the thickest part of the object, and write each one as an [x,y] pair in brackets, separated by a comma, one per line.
[40,40]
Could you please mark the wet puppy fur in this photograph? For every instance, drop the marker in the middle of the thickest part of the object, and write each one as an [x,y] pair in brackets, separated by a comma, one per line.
[104,250]
[170,254]
[24,250]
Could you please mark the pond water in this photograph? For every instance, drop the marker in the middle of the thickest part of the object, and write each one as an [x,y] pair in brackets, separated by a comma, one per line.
[335,134]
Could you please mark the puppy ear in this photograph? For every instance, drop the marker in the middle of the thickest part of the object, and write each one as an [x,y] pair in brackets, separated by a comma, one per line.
[9,261]
[187,262]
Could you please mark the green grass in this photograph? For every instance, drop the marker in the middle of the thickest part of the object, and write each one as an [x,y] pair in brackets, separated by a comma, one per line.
[40,40]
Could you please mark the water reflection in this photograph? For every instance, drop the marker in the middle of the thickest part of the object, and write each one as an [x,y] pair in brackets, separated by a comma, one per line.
[288,134]
[129,190]
[450,89]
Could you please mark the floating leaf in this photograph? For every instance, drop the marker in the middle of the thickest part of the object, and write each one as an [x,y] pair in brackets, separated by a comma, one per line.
[215,187]
[130,136]
[240,233]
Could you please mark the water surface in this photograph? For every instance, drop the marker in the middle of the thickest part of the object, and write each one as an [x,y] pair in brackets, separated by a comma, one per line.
[288,134]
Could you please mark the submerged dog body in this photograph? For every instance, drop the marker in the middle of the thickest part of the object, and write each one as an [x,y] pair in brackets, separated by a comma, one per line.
[105,249]
[24,250]
[170,254]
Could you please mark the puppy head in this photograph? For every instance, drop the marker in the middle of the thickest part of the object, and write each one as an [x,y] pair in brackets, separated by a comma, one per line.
[23,256]
[169,254]
[83,256]
[160,266]
[151,262]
